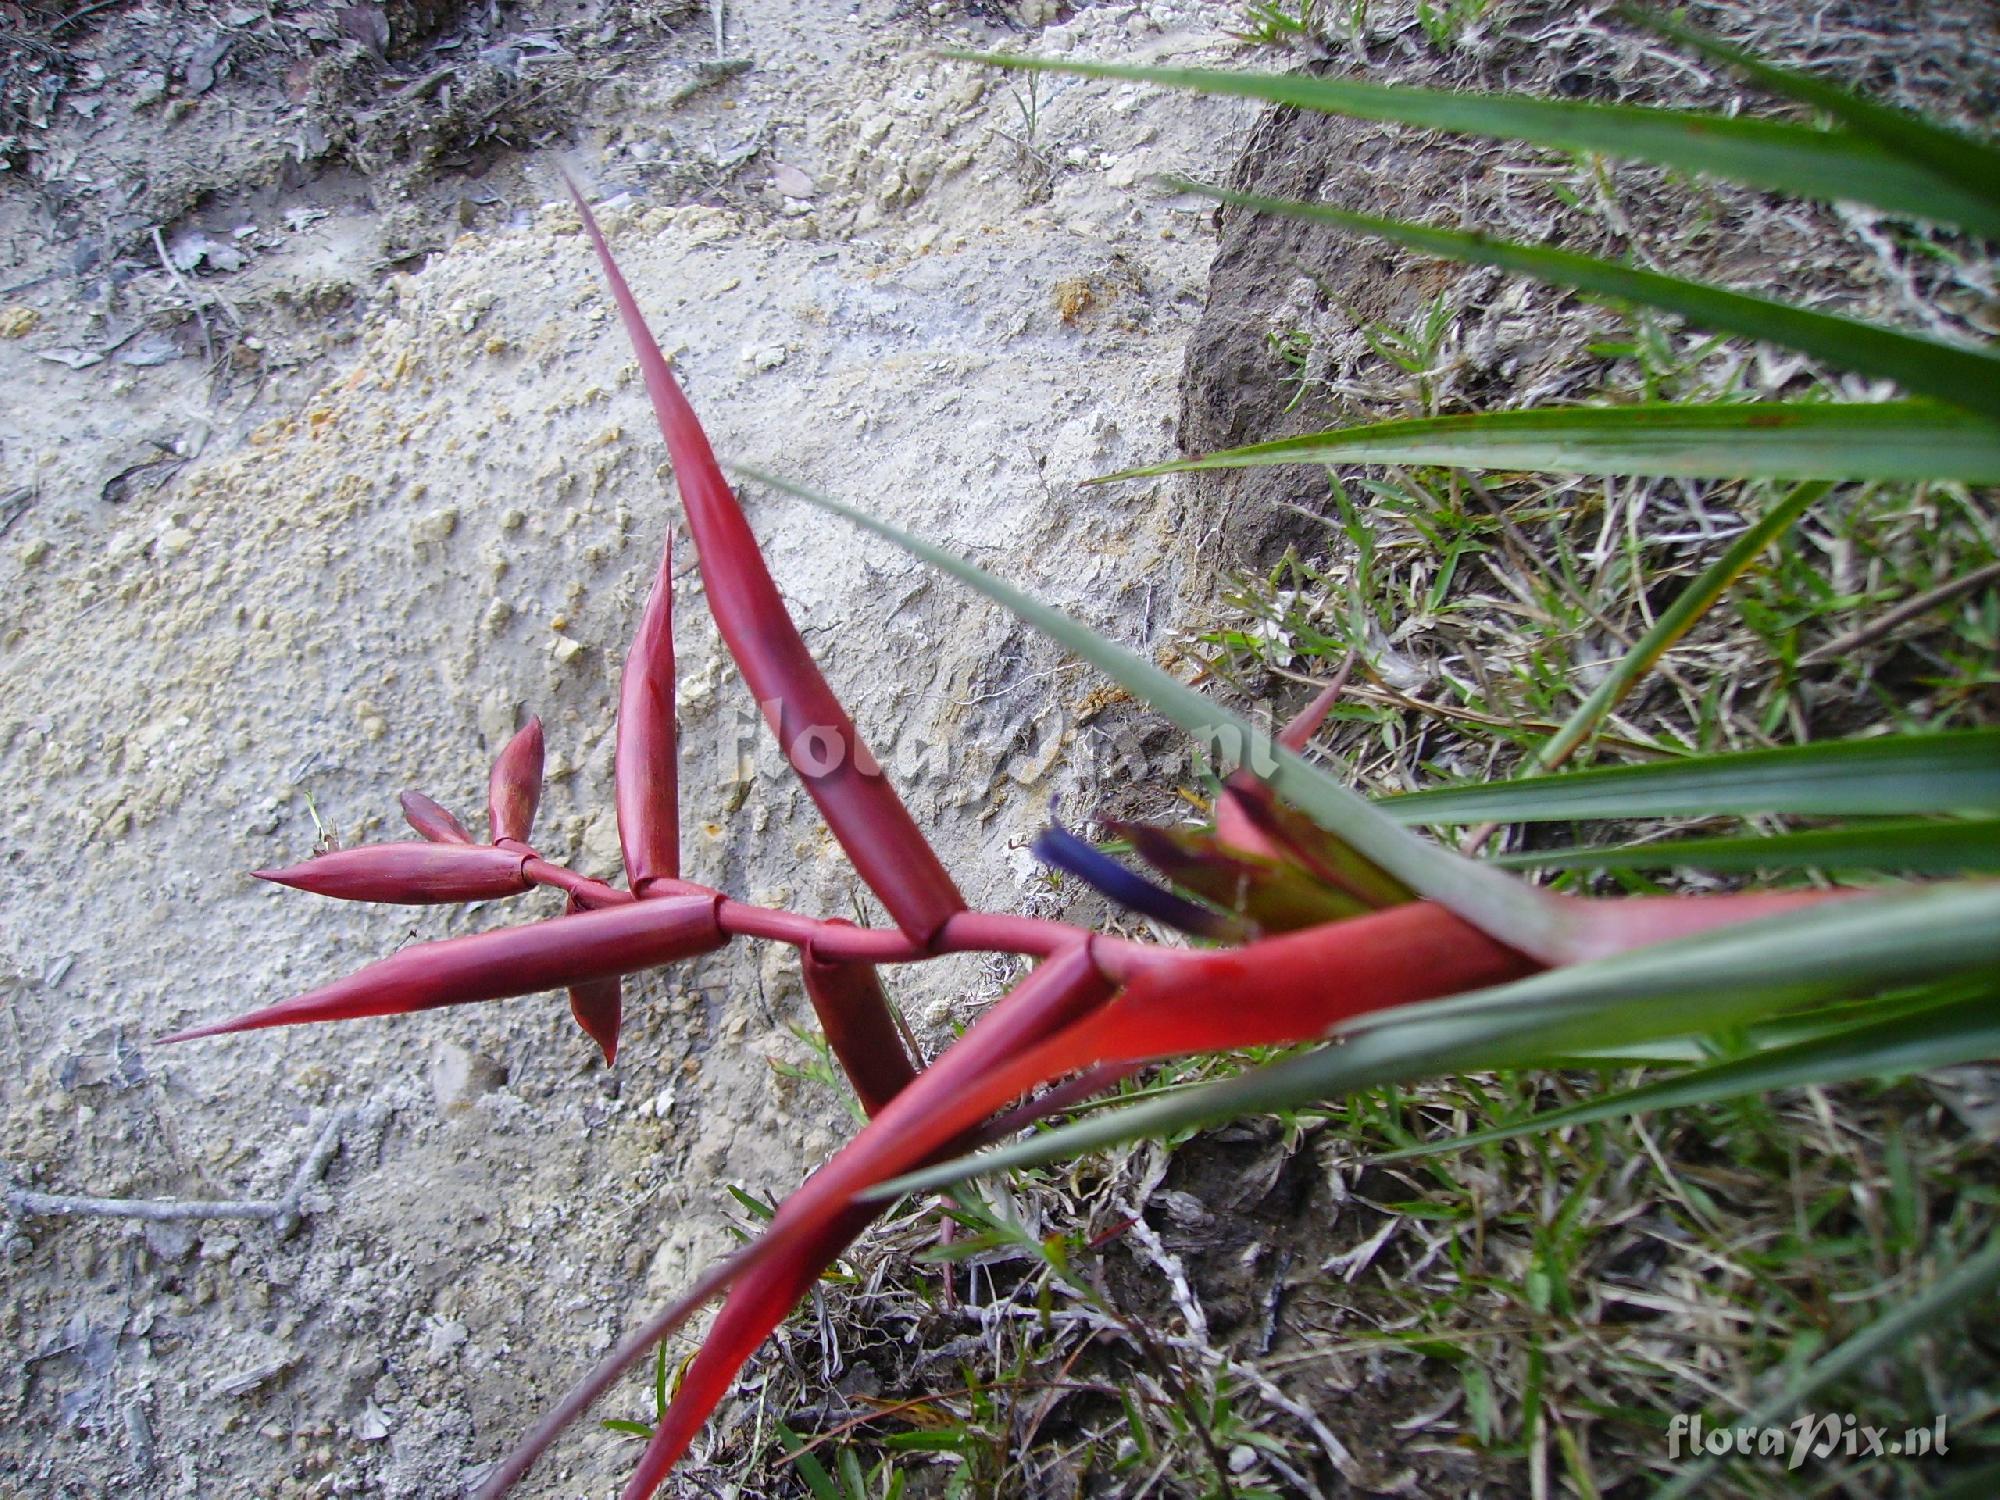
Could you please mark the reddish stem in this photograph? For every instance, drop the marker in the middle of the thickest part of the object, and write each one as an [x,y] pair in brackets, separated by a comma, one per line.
[1001,932]
[594,894]
[822,1210]
[967,932]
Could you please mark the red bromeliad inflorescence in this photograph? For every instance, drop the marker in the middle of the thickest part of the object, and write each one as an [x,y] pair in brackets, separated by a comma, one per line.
[1320,936]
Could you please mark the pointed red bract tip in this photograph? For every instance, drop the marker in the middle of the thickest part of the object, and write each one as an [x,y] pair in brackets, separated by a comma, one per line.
[645,766]
[1296,735]
[411,873]
[515,788]
[597,1004]
[548,955]
[599,1008]
[432,820]
[1234,825]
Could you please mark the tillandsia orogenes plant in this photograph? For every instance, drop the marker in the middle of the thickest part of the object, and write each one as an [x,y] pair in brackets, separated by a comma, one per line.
[1311,911]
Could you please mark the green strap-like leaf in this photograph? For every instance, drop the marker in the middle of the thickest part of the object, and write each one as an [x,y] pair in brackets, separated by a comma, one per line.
[1892,776]
[811,1470]
[1963,1031]
[1796,159]
[1496,903]
[1940,1305]
[1969,164]
[1952,373]
[1727,977]
[1918,847]
[1743,440]
[1676,620]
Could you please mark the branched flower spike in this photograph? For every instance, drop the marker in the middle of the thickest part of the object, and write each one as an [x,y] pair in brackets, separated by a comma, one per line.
[1317,935]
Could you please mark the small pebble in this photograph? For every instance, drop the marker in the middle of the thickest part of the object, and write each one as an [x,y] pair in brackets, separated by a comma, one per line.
[460,1075]
[434,527]
[790,181]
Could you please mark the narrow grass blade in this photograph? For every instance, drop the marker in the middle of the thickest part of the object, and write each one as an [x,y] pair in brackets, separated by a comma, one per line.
[1830,165]
[1894,440]
[1916,847]
[1732,976]
[1890,776]
[1941,1306]
[1960,1032]
[1969,164]
[811,1470]
[1515,913]
[1674,622]
[1950,373]
[646,761]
